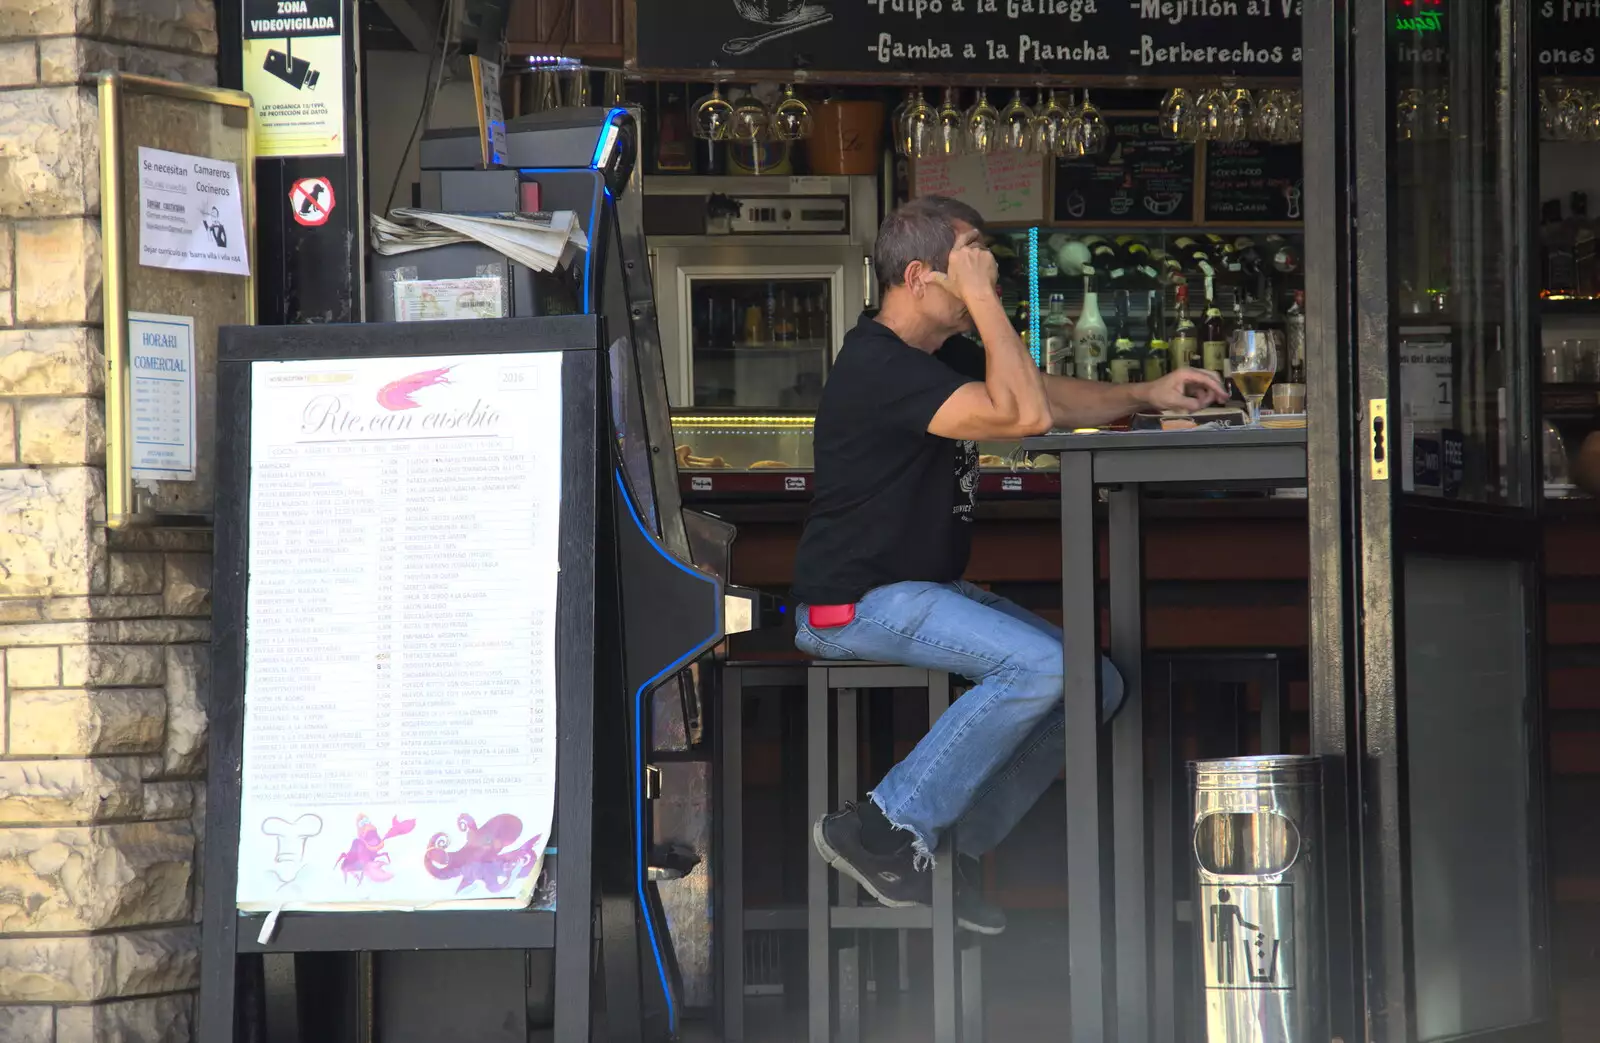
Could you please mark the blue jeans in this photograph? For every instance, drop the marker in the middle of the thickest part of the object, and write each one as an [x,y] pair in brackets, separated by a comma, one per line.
[991,755]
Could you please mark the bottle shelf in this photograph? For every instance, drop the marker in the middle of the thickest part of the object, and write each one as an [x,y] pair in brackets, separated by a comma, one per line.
[1574,306]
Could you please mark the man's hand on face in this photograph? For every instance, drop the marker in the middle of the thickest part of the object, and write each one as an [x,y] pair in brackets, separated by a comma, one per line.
[972,273]
[1187,389]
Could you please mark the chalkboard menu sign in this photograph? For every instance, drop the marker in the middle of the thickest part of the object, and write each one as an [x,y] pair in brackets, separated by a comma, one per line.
[1252,181]
[974,37]
[1141,178]
[1567,36]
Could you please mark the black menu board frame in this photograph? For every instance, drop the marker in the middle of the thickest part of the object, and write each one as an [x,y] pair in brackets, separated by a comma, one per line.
[998,43]
[1184,215]
[1274,169]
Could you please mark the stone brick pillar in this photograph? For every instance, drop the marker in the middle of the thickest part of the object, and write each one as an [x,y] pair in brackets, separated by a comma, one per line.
[103,637]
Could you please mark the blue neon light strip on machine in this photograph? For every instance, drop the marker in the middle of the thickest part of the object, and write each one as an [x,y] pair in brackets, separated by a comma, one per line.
[638,749]
[1035,345]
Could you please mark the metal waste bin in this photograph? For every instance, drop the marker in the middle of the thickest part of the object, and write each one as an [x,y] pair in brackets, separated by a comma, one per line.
[1258,909]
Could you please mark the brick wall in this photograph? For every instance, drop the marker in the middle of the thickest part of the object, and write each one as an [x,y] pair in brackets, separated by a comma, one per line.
[103,637]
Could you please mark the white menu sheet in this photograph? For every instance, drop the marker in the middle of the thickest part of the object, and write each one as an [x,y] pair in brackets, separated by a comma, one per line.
[400,712]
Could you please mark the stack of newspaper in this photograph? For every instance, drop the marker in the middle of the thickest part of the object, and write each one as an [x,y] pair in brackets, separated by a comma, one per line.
[542,241]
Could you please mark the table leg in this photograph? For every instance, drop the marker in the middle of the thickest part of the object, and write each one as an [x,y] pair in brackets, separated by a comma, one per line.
[944,915]
[730,746]
[1088,883]
[1164,884]
[1129,820]
[846,749]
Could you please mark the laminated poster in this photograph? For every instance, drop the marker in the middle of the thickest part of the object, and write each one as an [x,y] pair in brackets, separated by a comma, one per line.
[400,711]
[294,71]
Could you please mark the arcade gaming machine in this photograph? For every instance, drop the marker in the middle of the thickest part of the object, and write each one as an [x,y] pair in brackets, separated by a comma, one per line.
[656,575]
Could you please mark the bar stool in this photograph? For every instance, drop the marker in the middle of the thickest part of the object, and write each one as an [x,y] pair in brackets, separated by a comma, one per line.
[832,688]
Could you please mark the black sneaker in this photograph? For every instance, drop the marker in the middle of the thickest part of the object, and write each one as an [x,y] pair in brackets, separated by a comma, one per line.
[972,912]
[891,879]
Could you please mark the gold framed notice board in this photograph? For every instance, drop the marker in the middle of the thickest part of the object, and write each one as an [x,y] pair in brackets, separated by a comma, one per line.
[178,245]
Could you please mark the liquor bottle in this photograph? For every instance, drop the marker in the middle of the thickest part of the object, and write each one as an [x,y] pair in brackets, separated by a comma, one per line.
[1103,257]
[1190,249]
[1295,333]
[1285,258]
[1583,246]
[1089,335]
[785,327]
[1022,322]
[772,312]
[674,145]
[1155,359]
[1136,256]
[755,324]
[1125,366]
[1560,275]
[1214,337]
[1185,350]
[1249,256]
[1057,332]
[1169,267]
[1224,251]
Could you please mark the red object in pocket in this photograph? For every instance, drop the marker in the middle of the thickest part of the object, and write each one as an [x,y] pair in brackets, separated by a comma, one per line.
[830,615]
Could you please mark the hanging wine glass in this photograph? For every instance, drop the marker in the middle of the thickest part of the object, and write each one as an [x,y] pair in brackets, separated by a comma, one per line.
[576,91]
[791,119]
[1049,126]
[951,139]
[1437,118]
[897,122]
[1570,115]
[919,129]
[1211,115]
[1270,116]
[1239,116]
[1016,125]
[1548,105]
[1178,115]
[1294,113]
[1408,115]
[983,126]
[713,116]
[1072,130]
[1092,132]
[614,89]
[751,120]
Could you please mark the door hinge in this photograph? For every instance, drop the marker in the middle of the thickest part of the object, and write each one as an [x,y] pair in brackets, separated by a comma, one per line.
[1380,442]
[652,782]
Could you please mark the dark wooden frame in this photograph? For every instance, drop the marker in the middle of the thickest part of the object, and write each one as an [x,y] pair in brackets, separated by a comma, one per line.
[226,932]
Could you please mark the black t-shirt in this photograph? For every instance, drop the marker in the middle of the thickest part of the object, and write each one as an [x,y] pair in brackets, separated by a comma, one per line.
[892,502]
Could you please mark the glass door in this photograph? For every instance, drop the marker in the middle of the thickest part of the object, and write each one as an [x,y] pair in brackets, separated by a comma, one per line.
[760,340]
[1444,572]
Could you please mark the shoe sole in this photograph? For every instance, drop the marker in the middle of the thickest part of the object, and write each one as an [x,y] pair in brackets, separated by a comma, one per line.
[843,865]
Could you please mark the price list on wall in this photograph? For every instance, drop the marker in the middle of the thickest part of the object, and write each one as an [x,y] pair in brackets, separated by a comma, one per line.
[975,37]
[400,678]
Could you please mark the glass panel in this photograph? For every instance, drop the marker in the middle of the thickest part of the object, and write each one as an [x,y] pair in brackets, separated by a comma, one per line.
[1467,746]
[711,442]
[1460,356]
[760,344]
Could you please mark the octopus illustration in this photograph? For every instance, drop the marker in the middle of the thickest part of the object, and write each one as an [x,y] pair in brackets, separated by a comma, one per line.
[366,858]
[485,856]
[396,395]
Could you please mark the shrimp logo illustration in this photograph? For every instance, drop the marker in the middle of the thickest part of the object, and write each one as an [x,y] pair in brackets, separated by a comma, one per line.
[396,395]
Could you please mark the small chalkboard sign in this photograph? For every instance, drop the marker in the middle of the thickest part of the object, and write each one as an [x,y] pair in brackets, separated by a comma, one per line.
[1142,178]
[1252,182]
[1003,187]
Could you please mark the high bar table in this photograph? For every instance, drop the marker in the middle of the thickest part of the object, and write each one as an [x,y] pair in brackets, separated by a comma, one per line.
[1106,826]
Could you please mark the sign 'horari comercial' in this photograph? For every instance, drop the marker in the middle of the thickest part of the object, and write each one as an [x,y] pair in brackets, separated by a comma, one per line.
[976,37]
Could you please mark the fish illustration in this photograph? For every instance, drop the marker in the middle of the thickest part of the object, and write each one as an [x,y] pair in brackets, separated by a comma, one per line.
[396,395]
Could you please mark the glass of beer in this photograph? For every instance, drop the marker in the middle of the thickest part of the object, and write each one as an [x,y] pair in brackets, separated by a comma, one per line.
[1252,361]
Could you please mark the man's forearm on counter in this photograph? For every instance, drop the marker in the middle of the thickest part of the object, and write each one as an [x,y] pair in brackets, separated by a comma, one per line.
[1089,403]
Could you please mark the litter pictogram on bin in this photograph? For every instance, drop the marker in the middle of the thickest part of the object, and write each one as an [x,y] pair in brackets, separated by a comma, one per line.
[1248,938]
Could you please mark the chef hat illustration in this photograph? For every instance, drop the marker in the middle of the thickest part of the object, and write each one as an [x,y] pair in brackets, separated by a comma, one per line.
[292,836]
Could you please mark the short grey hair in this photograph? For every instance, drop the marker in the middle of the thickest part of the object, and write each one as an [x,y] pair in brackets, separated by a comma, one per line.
[920,230]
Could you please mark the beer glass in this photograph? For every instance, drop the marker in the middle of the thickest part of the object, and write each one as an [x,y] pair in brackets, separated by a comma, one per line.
[1252,361]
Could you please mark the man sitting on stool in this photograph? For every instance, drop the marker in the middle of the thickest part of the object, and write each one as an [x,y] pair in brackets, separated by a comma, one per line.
[879,567]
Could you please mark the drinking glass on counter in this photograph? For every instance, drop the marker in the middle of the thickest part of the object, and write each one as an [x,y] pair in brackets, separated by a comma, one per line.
[1252,361]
